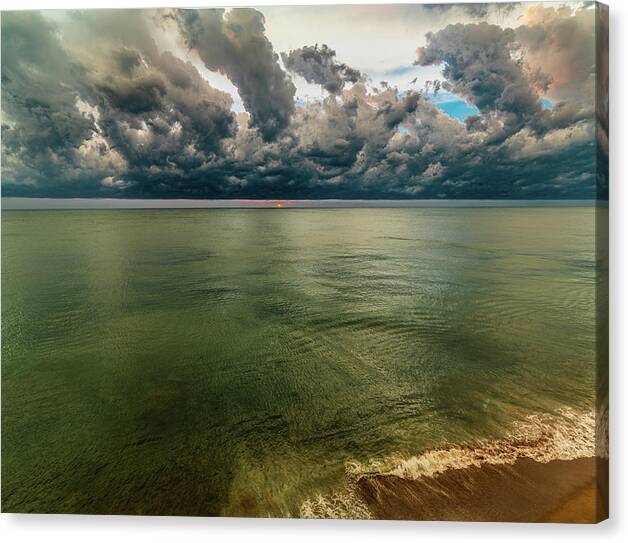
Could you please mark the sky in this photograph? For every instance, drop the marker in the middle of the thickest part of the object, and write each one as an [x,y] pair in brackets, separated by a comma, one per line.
[375,102]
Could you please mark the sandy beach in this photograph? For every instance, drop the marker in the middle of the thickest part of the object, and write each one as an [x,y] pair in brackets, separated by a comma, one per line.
[525,491]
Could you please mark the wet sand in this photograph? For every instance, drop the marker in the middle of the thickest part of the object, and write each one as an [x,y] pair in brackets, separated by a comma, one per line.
[526,491]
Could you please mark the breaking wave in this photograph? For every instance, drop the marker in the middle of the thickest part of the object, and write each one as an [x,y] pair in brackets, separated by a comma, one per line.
[565,436]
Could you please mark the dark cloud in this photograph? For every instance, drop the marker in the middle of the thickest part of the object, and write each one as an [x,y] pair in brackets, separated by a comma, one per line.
[318,65]
[560,42]
[177,134]
[479,63]
[601,100]
[127,60]
[93,106]
[234,43]
[489,66]
[41,126]
[136,95]
[121,120]
[474,10]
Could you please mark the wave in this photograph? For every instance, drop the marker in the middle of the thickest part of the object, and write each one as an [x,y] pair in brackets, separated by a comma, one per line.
[567,435]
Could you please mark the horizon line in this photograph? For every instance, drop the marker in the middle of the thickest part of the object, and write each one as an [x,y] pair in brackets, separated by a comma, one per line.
[38,203]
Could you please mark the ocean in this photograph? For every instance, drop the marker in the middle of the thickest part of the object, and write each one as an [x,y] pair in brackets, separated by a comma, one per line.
[256,362]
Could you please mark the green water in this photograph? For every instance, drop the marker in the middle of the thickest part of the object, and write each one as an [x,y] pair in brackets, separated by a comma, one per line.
[232,361]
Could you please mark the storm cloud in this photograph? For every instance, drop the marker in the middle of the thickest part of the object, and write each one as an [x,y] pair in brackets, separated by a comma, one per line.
[117,117]
[234,43]
[318,65]
[117,104]
[479,64]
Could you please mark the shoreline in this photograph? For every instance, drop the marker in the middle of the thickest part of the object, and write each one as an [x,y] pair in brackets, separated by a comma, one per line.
[560,491]
[547,469]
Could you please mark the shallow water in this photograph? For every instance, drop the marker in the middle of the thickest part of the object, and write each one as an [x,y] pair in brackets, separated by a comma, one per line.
[232,362]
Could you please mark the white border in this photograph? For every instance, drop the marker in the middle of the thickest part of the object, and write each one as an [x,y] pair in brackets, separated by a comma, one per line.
[110,529]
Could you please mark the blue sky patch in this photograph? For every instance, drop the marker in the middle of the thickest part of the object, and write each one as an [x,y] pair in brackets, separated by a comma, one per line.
[453,105]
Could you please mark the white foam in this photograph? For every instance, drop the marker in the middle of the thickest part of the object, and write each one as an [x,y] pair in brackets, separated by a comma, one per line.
[568,435]
[601,435]
[345,504]
[540,437]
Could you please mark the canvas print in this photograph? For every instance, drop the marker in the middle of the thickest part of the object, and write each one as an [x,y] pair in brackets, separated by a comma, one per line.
[335,262]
